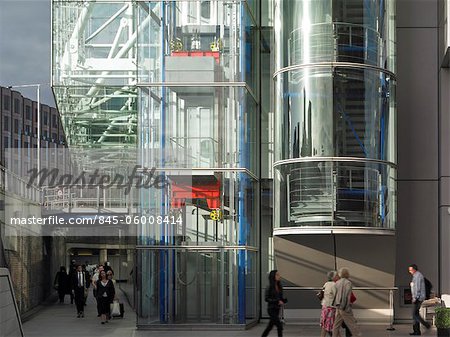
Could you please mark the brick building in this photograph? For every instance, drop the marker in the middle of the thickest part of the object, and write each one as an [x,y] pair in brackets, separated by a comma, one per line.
[31,257]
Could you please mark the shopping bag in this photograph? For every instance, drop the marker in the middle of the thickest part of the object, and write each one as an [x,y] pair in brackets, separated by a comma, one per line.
[115,309]
[122,310]
[282,319]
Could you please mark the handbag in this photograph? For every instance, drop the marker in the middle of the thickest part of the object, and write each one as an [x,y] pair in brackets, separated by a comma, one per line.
[352,298]
[115,308]
[320,294]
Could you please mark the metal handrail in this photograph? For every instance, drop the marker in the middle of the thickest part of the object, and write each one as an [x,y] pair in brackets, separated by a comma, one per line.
[333,159]
[391,297]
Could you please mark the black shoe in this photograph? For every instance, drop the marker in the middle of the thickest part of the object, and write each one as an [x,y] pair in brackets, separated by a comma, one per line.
[98,315]
[82,315]
[414,333]
[428,326]
[78,315]
[103,322]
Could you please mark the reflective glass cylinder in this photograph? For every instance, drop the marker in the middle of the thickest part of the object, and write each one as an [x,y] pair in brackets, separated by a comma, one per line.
[335,113]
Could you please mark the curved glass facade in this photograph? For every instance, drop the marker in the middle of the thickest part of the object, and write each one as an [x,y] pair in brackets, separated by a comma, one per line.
[335,115]
[356,31]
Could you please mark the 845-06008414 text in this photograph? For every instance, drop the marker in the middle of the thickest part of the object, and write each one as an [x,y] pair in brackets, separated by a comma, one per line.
[139,219]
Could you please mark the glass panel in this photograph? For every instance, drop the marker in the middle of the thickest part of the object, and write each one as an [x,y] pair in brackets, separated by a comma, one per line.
[333,193]
[329,112]
[201,206]
[98,116]
[94,43]
[197,41]
[335,31]
[191,285]
[200,127]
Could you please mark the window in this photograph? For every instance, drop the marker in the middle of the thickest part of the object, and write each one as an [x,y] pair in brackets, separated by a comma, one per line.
[205,10]
[54,121]
[16,105]
[27,130]
[6,123]
[54,137]
[16,143]
[45,118]
[28,112]
[6,102]
[5,142]
[26,145]
[16,125]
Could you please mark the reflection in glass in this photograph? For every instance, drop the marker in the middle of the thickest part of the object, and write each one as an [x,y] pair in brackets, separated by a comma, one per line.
[335,193]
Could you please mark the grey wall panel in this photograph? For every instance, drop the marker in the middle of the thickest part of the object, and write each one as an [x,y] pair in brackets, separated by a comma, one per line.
[445,191]
[445,250]
[304,260]
[417,233]
[370,259]
[417,104]
[444,123]
[417,13]
[371,262]
[441,11]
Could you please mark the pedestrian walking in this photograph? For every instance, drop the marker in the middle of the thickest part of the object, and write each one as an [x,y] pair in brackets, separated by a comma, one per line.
[343,303]
[328,310]
[275,301]
[62,284]
[72,272]
[418,296]
[79,288]
[105,296]
[95,278]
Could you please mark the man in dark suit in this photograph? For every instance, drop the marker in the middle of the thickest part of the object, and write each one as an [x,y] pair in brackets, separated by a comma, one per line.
[79,284]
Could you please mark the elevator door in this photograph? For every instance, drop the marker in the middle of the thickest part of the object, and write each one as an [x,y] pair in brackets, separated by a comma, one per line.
[197,286]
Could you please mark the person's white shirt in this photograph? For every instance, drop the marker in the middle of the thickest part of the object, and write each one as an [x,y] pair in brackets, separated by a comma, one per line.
[95,279]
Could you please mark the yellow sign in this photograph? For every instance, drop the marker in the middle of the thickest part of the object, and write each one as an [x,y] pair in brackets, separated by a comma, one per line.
[216,214]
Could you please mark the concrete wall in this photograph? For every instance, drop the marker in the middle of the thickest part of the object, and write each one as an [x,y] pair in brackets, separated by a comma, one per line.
[305,259]
[418,143]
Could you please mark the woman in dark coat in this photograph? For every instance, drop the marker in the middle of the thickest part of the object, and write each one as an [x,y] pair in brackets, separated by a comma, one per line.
[62,284]
[105,296]
[275,300]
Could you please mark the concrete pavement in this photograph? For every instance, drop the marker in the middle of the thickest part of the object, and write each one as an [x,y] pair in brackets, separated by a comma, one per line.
[59,320]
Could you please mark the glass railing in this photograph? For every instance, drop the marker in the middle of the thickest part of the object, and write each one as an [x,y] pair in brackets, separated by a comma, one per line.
[87,198]
[330,192]
[336,42]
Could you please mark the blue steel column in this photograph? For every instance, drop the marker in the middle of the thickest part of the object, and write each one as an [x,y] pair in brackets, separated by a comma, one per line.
[163,257]
[243,156]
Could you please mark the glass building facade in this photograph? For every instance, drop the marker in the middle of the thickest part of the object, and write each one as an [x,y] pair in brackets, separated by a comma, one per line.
[180,84]
[177,82]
